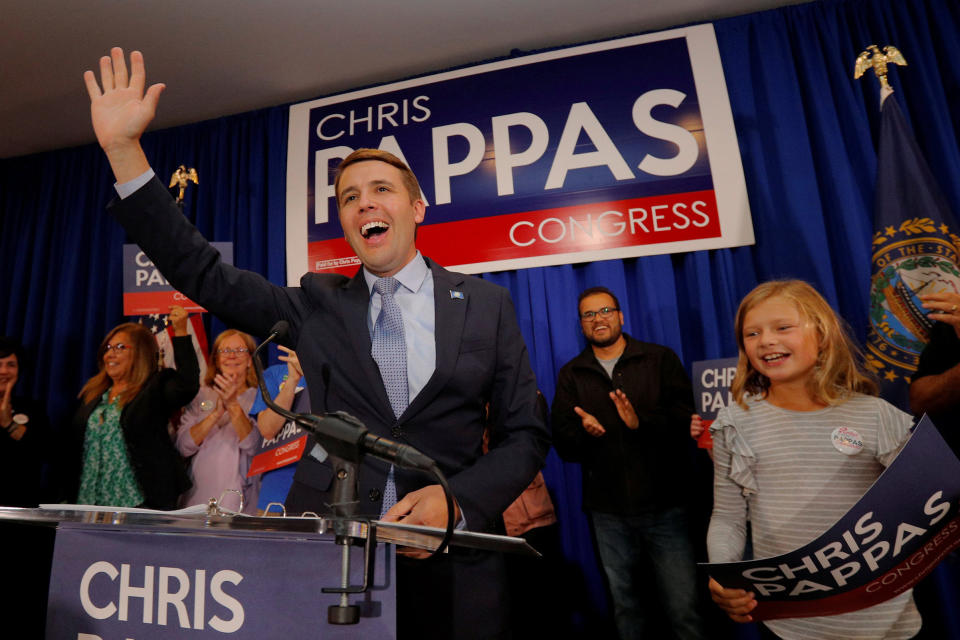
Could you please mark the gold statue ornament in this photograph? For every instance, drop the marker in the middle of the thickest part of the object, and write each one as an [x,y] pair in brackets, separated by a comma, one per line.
[181,177]
[873,58]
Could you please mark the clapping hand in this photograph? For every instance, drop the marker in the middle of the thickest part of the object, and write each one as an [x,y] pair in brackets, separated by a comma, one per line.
[625,409]
[6,410]
[294,372]
[6,406]
[226,386]
[590,424]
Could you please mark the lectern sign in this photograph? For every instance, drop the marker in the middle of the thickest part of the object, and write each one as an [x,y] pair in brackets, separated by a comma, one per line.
[110,584]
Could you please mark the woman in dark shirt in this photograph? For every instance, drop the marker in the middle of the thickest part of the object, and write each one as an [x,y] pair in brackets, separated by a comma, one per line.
[25,433]
[125,454]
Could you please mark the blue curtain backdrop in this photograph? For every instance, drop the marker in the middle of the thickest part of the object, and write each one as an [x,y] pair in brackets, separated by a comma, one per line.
[807,134]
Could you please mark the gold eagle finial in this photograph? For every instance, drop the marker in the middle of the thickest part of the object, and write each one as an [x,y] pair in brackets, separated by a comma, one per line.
[181,177]
[873,58]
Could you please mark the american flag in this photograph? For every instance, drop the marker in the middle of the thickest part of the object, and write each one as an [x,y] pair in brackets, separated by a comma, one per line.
[163,332]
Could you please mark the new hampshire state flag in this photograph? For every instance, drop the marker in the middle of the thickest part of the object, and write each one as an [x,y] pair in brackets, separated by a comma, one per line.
[915,247]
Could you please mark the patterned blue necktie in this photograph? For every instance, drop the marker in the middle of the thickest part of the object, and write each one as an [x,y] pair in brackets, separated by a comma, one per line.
[389,350]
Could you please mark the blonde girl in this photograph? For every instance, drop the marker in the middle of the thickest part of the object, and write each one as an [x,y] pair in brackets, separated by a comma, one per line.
[783,453]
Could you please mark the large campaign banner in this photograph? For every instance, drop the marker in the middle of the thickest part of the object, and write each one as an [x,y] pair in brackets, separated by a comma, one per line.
[609,150]
[145,584]
[895,535]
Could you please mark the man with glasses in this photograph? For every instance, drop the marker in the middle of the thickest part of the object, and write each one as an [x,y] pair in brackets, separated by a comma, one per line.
[622,409]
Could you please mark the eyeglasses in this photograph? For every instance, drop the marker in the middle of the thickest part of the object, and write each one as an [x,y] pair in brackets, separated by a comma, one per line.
[119,347]
[233,352]
[603,312]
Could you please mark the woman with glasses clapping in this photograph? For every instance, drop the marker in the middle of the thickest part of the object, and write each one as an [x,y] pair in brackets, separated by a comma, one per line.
[215,431]
[127,457]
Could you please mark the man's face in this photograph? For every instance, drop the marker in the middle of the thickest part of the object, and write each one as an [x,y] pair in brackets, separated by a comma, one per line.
[378,218]
[600,330]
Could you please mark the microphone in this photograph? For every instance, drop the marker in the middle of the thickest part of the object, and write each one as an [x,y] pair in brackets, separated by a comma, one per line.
[345,437]
[279,331]
[341,434]
[402,455]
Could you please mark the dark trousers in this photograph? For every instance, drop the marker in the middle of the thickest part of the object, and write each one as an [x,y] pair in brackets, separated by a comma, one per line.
[650,549]
[460,596]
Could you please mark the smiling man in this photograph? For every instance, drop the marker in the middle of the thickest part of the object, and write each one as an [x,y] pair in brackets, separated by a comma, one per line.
[410,349]
[380,207]
[622,410]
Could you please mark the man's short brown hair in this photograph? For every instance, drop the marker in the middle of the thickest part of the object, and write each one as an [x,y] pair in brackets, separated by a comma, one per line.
[364,155]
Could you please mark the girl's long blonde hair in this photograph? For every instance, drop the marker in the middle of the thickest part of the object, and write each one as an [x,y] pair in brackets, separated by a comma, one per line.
[838,372]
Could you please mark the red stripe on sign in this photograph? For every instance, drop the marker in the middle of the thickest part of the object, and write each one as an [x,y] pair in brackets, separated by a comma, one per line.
[278,457]
[885,585]
[859,598]
[146,302]
[332,256]
[705,441]
[591,227]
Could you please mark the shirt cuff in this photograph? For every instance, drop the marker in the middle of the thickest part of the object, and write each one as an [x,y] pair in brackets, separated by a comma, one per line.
[130,187]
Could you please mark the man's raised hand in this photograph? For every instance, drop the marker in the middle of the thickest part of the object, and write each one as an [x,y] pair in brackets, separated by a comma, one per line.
[120,111]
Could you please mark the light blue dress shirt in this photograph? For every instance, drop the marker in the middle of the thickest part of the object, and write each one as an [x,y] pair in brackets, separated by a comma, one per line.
[415,297]
[126,189]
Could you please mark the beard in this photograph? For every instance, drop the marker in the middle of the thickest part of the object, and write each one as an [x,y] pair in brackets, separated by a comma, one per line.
[615,334]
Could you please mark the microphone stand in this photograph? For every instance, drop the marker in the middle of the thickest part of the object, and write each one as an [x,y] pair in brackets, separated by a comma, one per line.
[346,440]
[345,501]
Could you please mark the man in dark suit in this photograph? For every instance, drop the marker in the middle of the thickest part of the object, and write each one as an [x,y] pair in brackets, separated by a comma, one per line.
[463,349]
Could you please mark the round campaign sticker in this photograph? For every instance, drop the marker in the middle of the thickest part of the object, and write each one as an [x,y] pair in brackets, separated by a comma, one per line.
[846,440]
[21,418]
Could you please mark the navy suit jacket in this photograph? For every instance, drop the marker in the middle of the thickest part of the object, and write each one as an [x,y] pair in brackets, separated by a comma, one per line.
[480,358]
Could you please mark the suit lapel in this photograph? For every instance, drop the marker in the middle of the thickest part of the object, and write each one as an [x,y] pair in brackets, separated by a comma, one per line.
[450,315]
[355,302]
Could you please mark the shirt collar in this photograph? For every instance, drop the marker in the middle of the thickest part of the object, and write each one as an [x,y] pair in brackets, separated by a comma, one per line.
[411,276]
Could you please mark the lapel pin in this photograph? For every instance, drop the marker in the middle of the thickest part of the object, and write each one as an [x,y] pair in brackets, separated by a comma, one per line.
[456,294]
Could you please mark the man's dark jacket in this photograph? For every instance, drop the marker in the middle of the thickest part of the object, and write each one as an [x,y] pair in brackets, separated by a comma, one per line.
[480,357]
[627,471]
[940,355]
